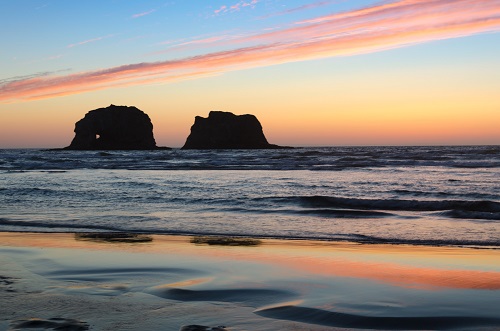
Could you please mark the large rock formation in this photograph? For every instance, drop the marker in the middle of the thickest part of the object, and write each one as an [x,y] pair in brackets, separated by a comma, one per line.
[224,130]
[114,128]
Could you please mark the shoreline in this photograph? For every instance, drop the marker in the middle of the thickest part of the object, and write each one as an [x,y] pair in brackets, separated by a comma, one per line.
[411,243]
[170,282]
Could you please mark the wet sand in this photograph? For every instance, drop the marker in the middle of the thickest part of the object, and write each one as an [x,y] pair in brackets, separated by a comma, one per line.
[75,282]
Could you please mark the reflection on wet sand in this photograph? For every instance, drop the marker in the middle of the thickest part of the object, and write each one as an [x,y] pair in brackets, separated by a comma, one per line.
[337,285]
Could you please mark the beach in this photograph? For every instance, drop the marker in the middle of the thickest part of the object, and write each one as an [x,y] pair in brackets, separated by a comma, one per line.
[67,281]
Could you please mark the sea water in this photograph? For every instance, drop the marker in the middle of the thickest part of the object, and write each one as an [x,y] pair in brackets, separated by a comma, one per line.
[413,195]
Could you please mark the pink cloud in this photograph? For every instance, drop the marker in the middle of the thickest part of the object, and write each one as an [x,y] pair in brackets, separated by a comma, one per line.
[386,26]
[222,9]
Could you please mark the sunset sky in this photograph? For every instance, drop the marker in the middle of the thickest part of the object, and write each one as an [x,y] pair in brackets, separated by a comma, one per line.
[315,73]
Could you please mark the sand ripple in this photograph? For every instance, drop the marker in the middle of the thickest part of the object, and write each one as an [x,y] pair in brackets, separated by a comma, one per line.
[251,297]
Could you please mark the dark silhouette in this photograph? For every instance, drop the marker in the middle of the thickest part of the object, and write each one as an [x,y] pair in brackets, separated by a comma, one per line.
[224,130]
[114,128]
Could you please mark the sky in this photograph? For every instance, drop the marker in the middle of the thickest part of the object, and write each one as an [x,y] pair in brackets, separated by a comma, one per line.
[315,73]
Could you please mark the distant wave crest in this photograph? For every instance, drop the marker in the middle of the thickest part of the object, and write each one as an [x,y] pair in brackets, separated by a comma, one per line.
[484,206]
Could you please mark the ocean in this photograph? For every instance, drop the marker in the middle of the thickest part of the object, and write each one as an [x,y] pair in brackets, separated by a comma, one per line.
[438,196]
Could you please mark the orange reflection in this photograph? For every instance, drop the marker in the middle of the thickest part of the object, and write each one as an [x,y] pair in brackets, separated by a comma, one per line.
[405,266]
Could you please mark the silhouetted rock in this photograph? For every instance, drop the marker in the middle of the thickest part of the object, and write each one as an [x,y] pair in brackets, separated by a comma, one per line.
[114,128]
[224,130]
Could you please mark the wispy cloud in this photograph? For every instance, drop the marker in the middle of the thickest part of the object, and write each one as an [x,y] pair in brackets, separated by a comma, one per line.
[386,26]
[89,41]
[144,13]
[236,6]
[222,9]
[301,8]
[194,43]
[197,42]
[55,57]
[27,77]
[42,6]
[243,4]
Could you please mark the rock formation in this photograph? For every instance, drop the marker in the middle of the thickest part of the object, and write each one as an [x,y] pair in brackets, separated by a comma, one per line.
[224,130]
[114,128]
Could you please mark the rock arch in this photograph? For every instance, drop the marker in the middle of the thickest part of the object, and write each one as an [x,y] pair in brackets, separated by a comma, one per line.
[114,128]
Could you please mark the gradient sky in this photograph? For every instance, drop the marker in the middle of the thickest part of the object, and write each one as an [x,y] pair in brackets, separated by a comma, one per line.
[315,73]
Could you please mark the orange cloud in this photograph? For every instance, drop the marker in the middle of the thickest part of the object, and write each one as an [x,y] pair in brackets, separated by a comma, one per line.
[386,26]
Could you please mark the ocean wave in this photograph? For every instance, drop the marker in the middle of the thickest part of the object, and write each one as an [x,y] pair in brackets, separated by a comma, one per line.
[341,207]
[366,239]
[469,194]
[398,204]
[56,226]
[467,214]
[23,191]
[493,150]
[324,158]
[343,213]
[335,213]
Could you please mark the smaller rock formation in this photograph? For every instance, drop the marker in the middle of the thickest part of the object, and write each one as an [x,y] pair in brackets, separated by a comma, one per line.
[114,128]
[224,130]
